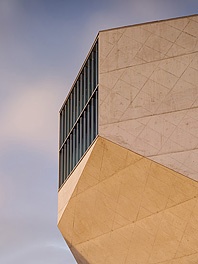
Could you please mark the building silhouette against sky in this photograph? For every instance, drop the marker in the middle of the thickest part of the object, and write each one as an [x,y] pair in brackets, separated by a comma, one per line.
[129,148]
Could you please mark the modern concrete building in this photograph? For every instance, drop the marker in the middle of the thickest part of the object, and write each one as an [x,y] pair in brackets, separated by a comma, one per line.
[128,189]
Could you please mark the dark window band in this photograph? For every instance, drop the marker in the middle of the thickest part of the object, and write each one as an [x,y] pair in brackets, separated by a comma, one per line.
[79,117]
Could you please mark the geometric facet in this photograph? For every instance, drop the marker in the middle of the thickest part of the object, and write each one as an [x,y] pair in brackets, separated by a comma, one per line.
[133,196]
[148,96]
[132,211]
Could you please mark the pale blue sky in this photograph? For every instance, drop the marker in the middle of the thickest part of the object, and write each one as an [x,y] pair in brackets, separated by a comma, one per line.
[42,46]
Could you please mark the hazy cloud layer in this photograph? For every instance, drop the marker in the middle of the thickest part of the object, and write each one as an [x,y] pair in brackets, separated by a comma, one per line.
[30,116]
[43,44]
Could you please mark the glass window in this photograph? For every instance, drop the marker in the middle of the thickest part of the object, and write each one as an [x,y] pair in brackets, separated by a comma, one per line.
[79,117]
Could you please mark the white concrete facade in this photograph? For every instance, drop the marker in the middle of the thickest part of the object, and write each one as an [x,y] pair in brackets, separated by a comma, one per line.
[133,196]
[148,79]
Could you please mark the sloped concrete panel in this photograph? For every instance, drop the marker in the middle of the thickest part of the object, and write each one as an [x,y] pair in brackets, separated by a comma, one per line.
[67,190]
[128,209]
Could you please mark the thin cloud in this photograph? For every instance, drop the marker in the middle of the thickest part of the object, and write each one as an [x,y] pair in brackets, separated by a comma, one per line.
[31,116]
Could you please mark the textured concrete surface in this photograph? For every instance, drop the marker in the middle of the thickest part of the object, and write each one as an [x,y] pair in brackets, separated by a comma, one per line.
[133,198]
[148,83]
[128,209]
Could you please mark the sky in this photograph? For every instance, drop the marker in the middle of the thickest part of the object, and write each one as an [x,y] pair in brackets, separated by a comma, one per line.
[43,44]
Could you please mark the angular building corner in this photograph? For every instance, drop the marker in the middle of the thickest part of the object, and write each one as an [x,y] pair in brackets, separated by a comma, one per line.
[128,156]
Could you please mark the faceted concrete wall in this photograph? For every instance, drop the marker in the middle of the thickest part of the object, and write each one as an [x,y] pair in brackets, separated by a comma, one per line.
[127,209]
[129,201]
[148,91]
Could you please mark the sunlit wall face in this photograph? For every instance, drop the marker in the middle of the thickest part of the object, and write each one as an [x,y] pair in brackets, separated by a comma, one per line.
[79,117]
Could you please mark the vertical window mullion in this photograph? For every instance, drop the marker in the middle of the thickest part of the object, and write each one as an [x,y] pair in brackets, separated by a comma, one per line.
[94,116]
[92,119]
[85,86]
[80,137]
[84,132]
[96,112]
[83,92]
[62,166]
[69,119]
[67,124]
[76,160]
[77,140]
[60,133]
[73,149]
[92,71]
[67,158]
[94,68]
[88,80]
[71,111]
[73,118]
[63,125]
[65,110]
[77,97]
[74,104]
[60,171]
[64,161]
[96,63]
[70,153]
[88,125]
[80,98]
